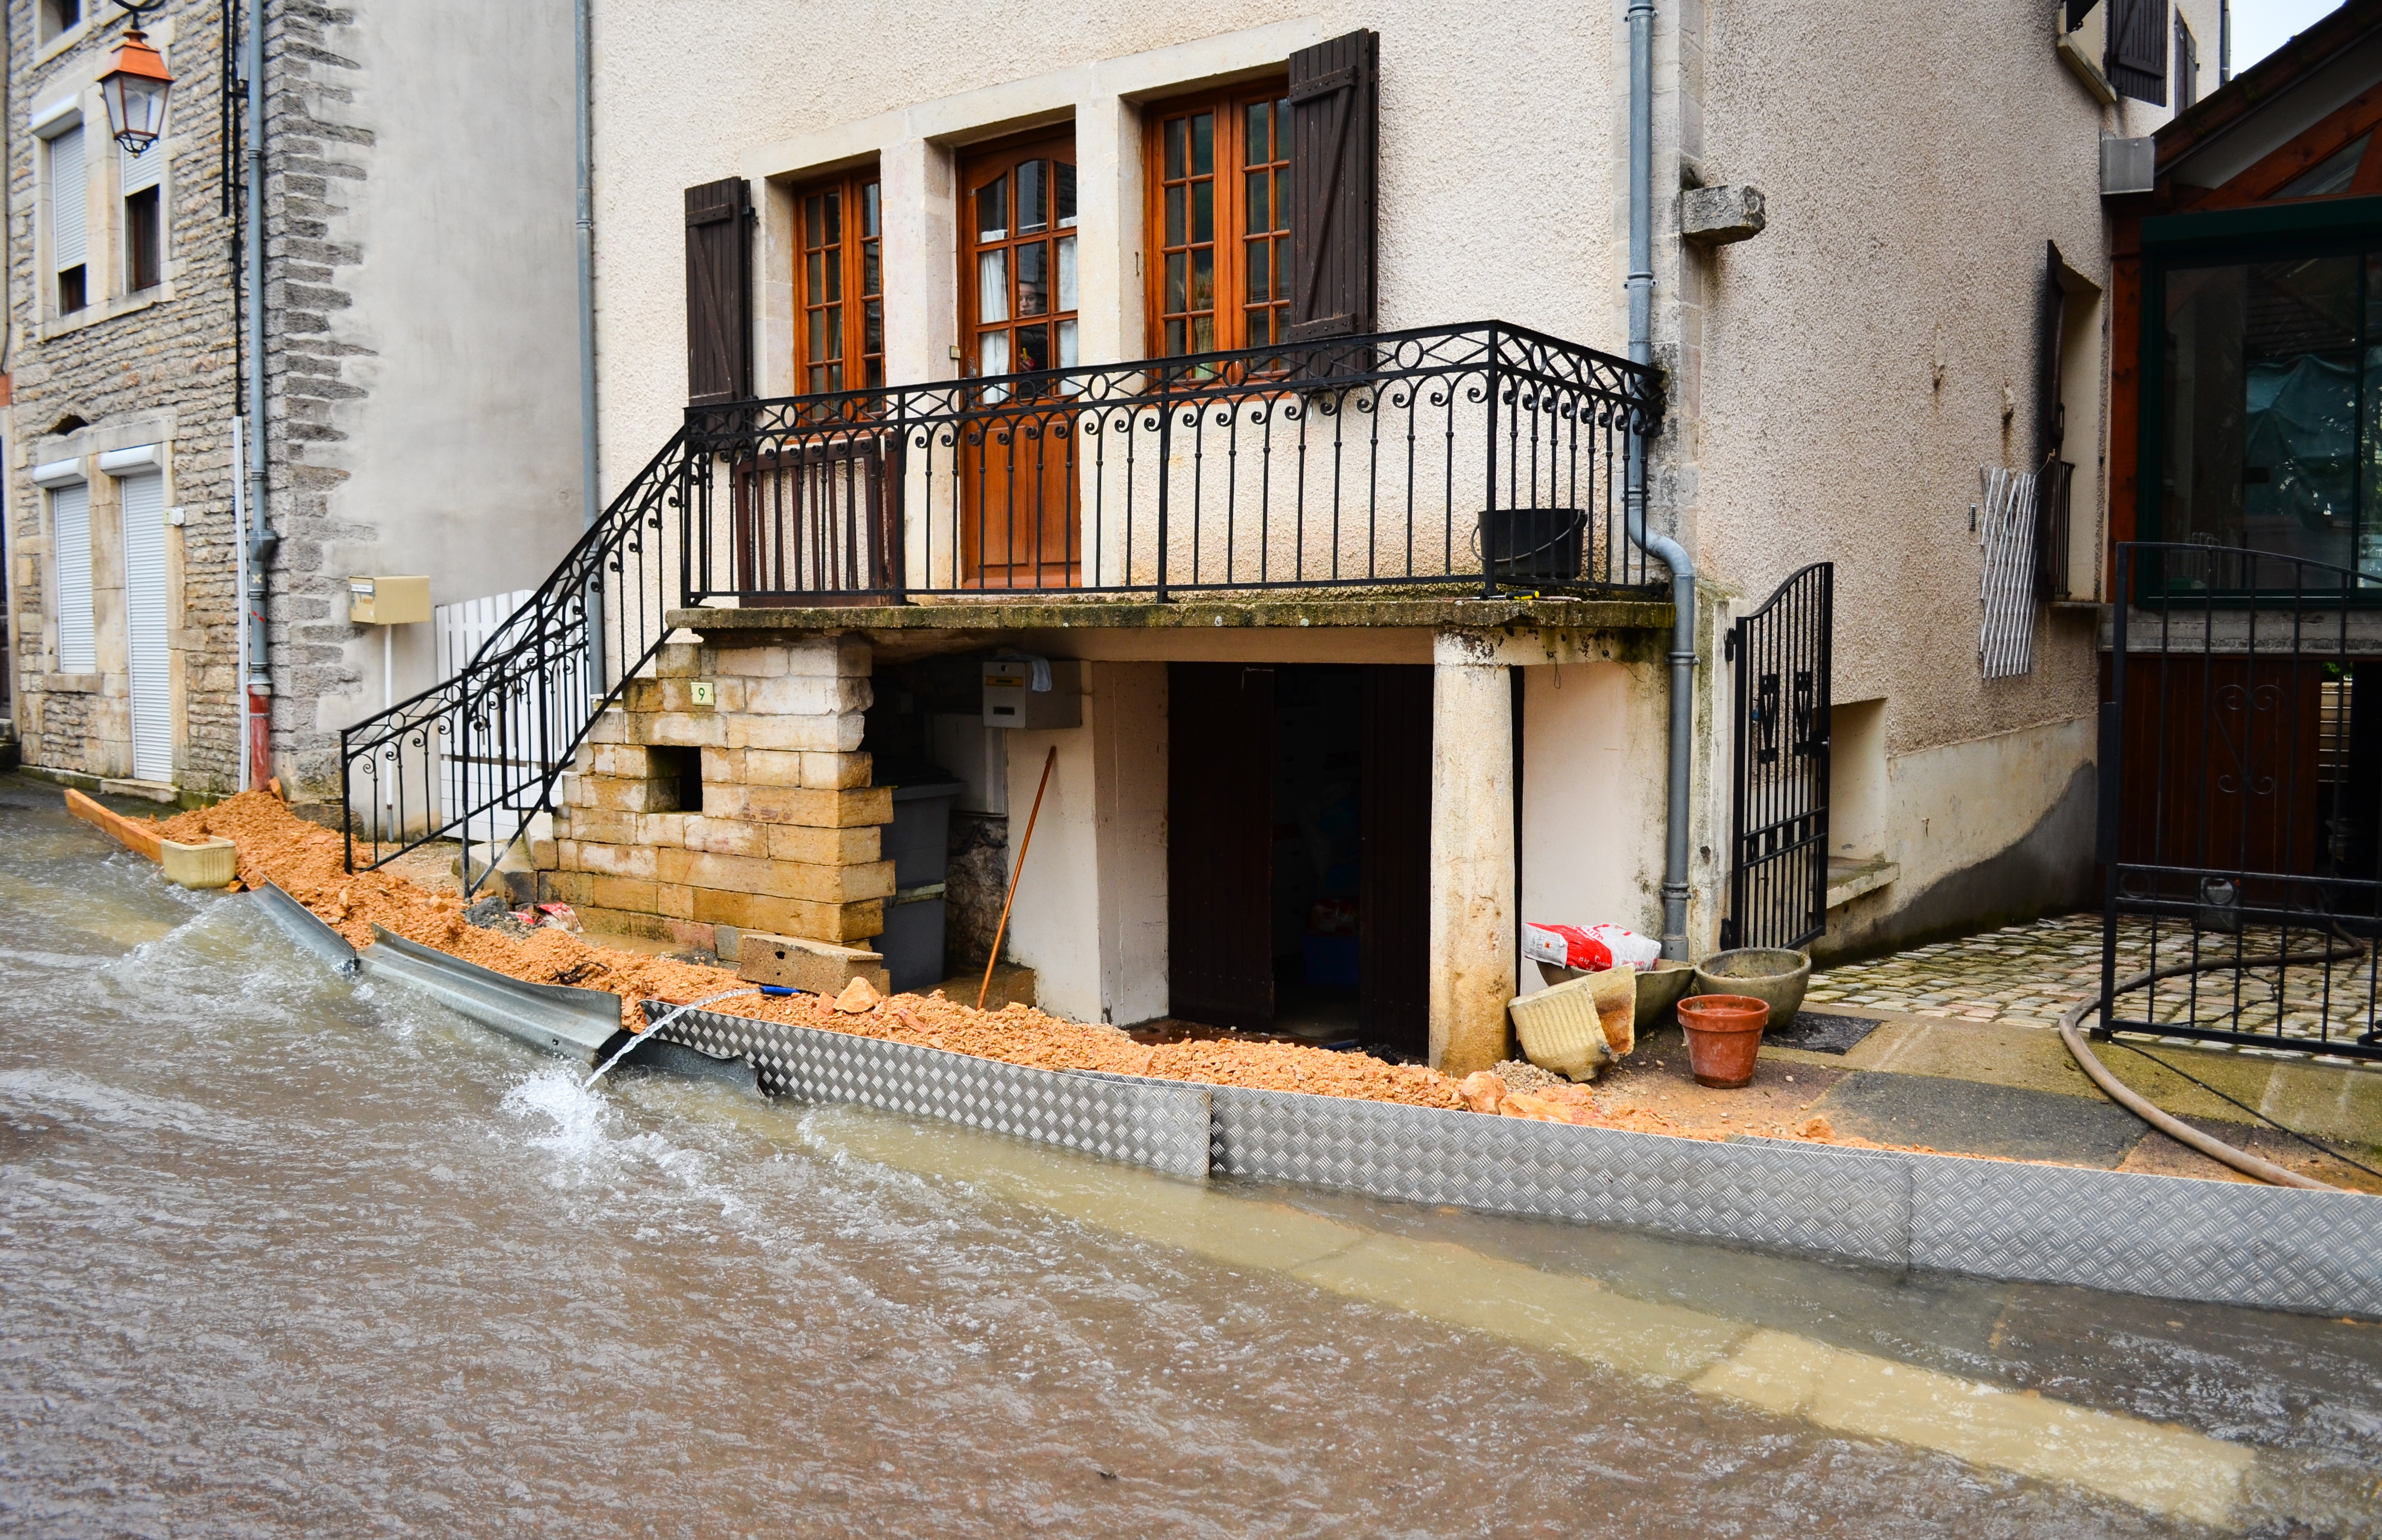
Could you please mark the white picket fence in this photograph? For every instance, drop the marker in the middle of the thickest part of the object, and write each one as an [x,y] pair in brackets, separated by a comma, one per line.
[467,782]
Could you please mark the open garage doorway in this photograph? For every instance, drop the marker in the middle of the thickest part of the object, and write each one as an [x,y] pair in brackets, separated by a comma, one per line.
[1298,850]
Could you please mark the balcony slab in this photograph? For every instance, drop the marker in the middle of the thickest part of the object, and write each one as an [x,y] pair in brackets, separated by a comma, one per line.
[1371,609]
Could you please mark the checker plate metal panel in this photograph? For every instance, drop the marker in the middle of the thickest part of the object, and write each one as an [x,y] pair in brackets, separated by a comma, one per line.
[1788,1199]
[2172,1237]
[1153,1123]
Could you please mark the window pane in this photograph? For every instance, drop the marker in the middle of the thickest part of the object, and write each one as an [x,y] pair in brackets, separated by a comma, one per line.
[873,321]
[1174,216]
[869,212]
[1173,337]
[1260,278]
[992,349]
[992,285]
[1066,273]
[818,330]
[1174,285]
[1260,140]
[1033,196]
[1063,185]
[992,210]
[1033,347]
[876,373]
[1203,333]
[834,218]
[1174,155]
[2261,386]
[835,376]
[1282,269]
[1203,280]
[1203,211]
[1203,144]
[1260,221]
[1067,345]
[817,375]
[831,323]
[1033,278]
[1261,327]
[872,271]
[815,220]
[814,285]
[834,273]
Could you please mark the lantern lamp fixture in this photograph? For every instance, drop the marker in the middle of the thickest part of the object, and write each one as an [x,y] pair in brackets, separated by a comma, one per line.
[136,84]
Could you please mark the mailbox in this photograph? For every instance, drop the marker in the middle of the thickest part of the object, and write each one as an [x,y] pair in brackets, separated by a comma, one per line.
[1012,699]
[382,601]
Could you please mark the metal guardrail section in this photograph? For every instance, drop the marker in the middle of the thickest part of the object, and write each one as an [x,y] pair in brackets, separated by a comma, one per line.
[1160,1124]
[308,929]
[576,1023]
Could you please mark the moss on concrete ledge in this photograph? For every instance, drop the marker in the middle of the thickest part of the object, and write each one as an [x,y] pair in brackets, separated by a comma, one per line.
[1368,609]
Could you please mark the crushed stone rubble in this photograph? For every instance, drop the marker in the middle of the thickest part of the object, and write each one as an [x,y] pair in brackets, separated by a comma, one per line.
[306,861]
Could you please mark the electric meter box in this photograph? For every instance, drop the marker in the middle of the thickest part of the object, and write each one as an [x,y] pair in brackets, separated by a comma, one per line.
[384,601]
[1010,700]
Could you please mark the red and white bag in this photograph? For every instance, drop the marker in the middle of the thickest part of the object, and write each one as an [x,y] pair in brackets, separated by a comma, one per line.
[1591,951]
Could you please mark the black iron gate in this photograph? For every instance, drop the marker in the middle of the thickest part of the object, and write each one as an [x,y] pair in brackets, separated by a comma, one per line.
[1779,860]
[2241,799]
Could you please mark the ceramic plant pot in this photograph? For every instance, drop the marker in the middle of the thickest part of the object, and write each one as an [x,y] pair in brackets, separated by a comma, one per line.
[1660,987]
[1771,974]
[1724,1037]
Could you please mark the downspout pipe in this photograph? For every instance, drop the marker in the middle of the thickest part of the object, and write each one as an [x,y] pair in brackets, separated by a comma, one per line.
[591,507]
[1641,286]
[261,539]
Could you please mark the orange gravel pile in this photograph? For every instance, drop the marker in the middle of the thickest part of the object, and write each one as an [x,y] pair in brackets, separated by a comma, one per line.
[305,861]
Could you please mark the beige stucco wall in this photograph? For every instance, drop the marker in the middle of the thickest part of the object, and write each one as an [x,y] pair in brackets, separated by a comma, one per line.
[1836,382]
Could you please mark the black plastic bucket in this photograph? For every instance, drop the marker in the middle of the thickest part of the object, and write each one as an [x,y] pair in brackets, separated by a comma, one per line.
[1531,546]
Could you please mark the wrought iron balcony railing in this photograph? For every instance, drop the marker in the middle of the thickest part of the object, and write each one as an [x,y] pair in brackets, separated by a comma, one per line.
[1479,457]
[1474,456]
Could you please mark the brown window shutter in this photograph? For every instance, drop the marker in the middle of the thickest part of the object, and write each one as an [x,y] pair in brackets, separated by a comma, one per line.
[1334,148]
[719,293]
[2136,63]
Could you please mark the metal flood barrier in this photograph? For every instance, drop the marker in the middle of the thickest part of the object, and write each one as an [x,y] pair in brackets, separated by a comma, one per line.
[2167,1236]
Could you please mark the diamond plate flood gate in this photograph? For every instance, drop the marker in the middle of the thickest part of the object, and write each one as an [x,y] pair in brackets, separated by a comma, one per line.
[2169,1237]
[1160,1124]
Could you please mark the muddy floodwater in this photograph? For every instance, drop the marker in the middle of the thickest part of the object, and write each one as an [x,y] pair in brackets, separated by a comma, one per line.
[286,1255]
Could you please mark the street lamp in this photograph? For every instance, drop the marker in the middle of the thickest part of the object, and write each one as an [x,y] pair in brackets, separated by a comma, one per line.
[136,86]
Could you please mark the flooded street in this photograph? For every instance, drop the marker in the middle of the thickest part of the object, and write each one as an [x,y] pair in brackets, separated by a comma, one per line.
[289,1254]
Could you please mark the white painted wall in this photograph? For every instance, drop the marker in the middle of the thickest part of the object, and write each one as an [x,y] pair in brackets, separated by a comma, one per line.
[1594,749]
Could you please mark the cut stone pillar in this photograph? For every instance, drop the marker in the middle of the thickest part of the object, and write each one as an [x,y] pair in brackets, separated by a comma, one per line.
[1472,920]
[729,792]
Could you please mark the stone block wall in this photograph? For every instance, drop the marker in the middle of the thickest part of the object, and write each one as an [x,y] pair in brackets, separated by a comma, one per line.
[777,830]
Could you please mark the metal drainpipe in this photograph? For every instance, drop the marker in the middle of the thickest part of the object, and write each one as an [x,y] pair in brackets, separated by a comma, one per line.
[1641,283]
[591,505]
[261,536]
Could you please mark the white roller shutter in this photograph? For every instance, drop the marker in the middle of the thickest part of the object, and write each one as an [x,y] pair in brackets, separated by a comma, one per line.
[142,499]
[144,170]
[68,246]
[70,541]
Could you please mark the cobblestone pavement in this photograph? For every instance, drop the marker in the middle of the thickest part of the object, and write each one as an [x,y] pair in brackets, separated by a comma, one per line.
[2027,976]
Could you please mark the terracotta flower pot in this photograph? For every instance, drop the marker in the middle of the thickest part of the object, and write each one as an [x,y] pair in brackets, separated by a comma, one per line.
[1724,1037]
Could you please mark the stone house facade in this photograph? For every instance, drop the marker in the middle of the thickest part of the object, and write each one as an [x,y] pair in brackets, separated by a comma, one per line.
[422,410]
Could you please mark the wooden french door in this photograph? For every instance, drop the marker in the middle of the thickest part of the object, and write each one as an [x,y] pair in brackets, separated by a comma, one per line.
[1220,844]
[1019,524]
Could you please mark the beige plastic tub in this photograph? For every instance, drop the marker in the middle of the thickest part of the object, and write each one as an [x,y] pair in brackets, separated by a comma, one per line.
[212,864]
[1576,1029]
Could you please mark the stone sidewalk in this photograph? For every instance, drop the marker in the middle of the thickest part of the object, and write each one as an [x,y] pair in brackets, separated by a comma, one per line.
[2027,976]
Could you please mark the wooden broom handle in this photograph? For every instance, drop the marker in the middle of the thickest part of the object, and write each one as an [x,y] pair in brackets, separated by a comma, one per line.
[1048,762]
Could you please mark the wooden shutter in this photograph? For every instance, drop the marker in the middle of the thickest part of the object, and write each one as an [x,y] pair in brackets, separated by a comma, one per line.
[67,243]
[2136,63]
[1334,148]
[1219,845]
[719,293]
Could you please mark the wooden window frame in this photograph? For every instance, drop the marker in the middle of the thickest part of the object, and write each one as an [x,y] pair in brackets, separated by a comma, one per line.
[840,221]
[978,165]
[1231,310]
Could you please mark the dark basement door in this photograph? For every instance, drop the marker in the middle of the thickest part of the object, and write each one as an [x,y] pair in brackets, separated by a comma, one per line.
[1221,827]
